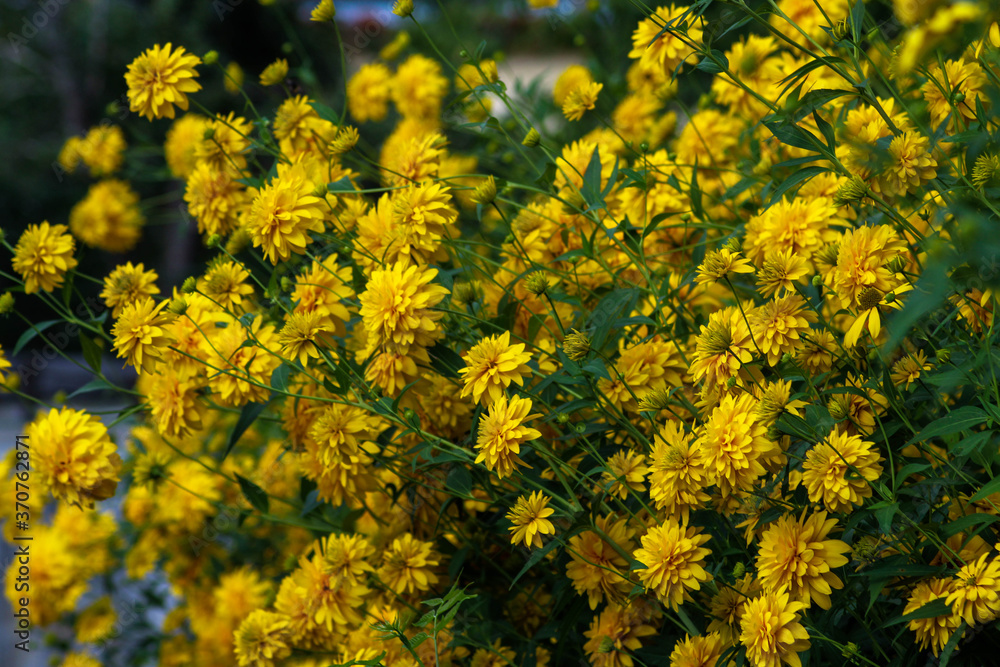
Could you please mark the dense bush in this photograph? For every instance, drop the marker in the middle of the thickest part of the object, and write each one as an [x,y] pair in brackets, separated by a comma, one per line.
[488,376]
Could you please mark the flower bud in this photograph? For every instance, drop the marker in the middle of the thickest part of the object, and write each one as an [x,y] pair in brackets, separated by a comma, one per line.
[730,383]
[576,345]
[403,8]
[485,192]
[532,138]
[324,11]
[211,57]
[213,241]
[6,303]
[739,570]
[209,134]
[854,189]
[178,306]
[190,285]
[943,355]
[817,280]
[537,283]
[841,31]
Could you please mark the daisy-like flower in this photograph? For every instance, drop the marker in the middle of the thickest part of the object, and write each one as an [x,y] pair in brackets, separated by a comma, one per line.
[666,49]
[283,213]
[596,568]
[225,142]
[727,606]
[733,444]
[174,405]
[491,365]
[678,477]
[215,199]
[838,472]
[975,595]
[771,631]
[910,165]
[74,456]
[408,565]
[109,217]
[781,270]
[779,325]
[502,432]
[795,556]
[530,518]
[159,79]
[581,100]
[225,284]
[800,226]
[674,558]
[368,92]
[936,631]
[4,365]
[262,639]
[967,82]
[397,308]
[126,284]
[722,347]
[324,11]
[96,622]
[572,78]
[43,255]
[274,73]
[862,259]
[303,336]
[616,633]
[907,370]
[870,299]
[697,651]
[625,472]
[141,333]
[419,87]
[331,601]
[720,263]
[775,400]
[183,138]
[422,215]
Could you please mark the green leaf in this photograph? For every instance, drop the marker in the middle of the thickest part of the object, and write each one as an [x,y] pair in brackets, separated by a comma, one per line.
[279,378]
[932,609]
[31,333]
[988,489]
[256,495]
[793,135]
[793,180]
[341,186]
[459,481]
[446,361]
[91,353]
[248,415]
[964,523]
[97,384]
[591,188]
[709,64]
[956,421]
[858,21]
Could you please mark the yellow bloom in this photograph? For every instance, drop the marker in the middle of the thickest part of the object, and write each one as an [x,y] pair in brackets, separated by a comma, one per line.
[719,264]
[96,622]
[159,79]
[109,217]
[697,651]
[491,365]
[102,149]
[234,78]
[678,477]
[672,47]
[907,370]
[274,73]
[781,270]
[324,11]
[596,568]
[572,78]
[225,142]
[616,633]
[262,639]
[502,432]
[975,595]
[530,518]
[963,85]
[174,405]
[799,226]
[215,198]
[397,308]
[182,140]
[418,87]
[779,325]
[734,445]
[862,263]
[324,289]
[580,100]
[43,255]
[910,165]
[870,299]
[225,284]
[408,565]
[141,334]
[796,557]
[368,92]
[771,631]
[838,472]
[937,630]
[722,348]
[283,213]
[74,456]
[303,336]
[126,284]
[625,471]
[674,560]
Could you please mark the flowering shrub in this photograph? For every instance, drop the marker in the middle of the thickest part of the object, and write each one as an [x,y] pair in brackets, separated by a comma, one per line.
[520,381]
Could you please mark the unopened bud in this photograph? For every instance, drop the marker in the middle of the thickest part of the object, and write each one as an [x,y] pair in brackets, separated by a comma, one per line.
[403,8]
[841,31]
[209,134]
[536,283]
[178,306]
[211,57]
[574,202]
[346,139]
[286,284]
[817,281]
[576,345]
[190,285]
[213,241]
[854,189]
[838,409]
[6,303]
[730,383]
[739,570]
[239,240]
[943,355]
[485,192]
[532,138]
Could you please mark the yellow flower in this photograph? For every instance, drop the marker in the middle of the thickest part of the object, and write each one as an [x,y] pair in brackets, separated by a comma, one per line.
[862,261]
[674,560]
[74,456]
[397,308]
[324,289]
[781,270]
[215,198]
[734,445]
[303,336]
[910,165]
[907,370]
[225,284]
[491,365]
[159,79]
[796,557]
[109,217]
[234,78]
[771,631]
[779,325]
[530,518]
[174,405]
[975,595]
[502,432]
[419,87]
[4,365]
[324,11]
[666,49]
[870,299]
[126,284]
[225,142]
[96,622]
[799,226]
[616,633]
[678,477]
[838,472]
[718,264]
[102,149]
[935,631]
[368,92]
[408,565]
[625,471]
[140,333]
[580,100]
[572,78]
[283,213]
[422,216]
[722,347]
[697,651]
[963,85]
[43,255]
[182,140]
[262,639]
[596,568]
